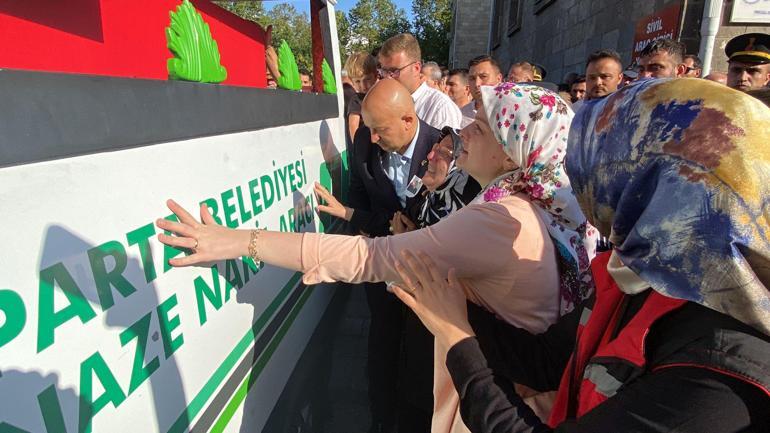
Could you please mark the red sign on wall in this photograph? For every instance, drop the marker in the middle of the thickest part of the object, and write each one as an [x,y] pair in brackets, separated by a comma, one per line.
[662,24]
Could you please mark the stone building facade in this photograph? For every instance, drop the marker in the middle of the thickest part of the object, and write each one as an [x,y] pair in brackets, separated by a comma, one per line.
[470,31]
[559,34]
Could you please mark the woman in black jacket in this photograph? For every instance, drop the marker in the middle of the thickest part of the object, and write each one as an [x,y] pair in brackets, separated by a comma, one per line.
[677,337]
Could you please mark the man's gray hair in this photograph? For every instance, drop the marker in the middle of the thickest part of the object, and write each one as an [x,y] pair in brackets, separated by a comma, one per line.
[436,73]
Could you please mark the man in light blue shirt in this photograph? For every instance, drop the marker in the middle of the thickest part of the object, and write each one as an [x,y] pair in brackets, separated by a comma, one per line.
[387,154]
[397,166]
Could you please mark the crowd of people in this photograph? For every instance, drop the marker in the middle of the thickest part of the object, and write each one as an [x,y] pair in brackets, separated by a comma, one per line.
[586,257]
[604,72]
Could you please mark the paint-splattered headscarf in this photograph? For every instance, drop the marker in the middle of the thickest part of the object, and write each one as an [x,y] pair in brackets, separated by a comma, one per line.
[532,124]
[678,172]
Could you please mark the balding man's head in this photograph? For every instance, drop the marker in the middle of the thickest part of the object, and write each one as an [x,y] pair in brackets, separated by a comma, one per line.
[717,77]
[388,111]
[521,72]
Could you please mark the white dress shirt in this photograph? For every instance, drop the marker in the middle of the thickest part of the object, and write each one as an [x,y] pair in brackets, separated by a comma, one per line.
[436,108]
[469,113]
[397,167]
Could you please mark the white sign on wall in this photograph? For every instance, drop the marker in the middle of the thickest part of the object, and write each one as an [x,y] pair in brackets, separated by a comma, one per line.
[98,334]
[750,11]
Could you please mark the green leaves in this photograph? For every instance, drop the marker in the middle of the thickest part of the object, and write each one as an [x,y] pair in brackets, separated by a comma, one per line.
[293,26]
[372,22]
[252,10]
[288,23]
[287,67]
[330,84]
[196,54]
[432,24]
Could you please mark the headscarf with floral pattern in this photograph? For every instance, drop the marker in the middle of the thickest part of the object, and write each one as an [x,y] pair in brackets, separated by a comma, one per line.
[532,124]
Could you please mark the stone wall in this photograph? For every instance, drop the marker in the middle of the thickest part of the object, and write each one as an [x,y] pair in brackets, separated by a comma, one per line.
[562,35]
[470,31]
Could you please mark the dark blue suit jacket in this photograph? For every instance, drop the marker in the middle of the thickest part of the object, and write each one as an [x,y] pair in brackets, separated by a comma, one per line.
[372,194]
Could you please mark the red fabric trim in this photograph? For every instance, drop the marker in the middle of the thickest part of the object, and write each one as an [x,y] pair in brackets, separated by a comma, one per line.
[717,370]
[589,397]
[559,409]
[629,344]
[318,45]
[588,338]
[595,340]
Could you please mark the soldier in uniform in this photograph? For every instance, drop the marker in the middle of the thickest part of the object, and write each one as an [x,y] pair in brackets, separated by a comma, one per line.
[749,61]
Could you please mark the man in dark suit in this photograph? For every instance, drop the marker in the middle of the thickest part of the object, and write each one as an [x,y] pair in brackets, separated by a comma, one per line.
[387,156]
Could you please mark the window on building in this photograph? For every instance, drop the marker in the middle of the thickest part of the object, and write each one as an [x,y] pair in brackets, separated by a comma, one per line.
[542,4]
[497,23]
[514,16]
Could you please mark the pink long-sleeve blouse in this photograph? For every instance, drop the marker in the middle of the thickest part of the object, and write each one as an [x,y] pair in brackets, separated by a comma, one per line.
[501,252]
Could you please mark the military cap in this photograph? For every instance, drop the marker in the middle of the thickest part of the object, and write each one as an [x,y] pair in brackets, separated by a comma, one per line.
[749,48]
[539,72]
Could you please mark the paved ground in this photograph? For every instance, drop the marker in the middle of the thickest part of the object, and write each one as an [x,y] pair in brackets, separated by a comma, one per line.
[327,392]
[350,408]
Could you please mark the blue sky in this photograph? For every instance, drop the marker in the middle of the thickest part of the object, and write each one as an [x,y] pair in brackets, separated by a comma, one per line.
[345,5]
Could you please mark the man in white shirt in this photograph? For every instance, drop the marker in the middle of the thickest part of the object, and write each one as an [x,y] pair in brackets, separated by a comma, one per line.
[400,59]
[431,74]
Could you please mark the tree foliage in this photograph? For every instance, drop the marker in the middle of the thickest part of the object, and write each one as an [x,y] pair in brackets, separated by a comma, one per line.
[288,23]
[365,27]
[432,24]
[343,33]
[294,27]
[372,22]
[252,10]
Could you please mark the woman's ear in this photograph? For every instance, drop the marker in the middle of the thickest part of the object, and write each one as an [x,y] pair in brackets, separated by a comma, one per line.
[508,164]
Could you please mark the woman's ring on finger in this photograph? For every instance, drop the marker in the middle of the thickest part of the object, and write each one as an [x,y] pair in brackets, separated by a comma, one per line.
[196,245]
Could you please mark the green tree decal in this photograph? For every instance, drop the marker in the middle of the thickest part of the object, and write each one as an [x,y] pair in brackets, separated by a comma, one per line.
[196,54]
[330,84]
[287,67]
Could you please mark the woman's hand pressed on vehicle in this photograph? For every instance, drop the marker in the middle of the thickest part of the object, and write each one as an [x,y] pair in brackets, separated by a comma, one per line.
[333,206]
[207,240]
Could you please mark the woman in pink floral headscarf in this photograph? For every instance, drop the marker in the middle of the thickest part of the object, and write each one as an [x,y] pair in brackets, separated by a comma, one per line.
[532,124]
[520,250]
